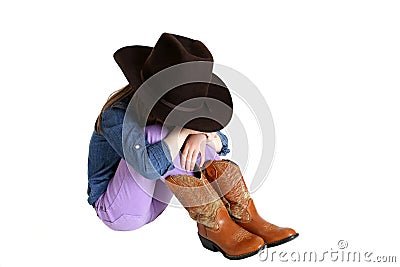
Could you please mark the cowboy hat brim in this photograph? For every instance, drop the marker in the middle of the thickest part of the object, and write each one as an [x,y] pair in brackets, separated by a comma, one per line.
[216,112]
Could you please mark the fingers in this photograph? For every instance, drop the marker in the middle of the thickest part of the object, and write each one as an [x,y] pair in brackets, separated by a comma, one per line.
[202,158]
[188,158]
[186,165]
[191,160]
[194,145]
[184,156]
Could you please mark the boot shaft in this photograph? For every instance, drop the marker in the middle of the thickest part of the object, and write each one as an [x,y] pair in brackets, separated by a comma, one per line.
[227,179]
[198,198]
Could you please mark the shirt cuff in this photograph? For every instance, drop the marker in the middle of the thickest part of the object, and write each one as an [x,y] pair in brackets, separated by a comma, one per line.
[160,156]
[224,140]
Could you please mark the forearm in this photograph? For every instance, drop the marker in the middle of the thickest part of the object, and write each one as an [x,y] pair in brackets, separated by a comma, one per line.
[175,140]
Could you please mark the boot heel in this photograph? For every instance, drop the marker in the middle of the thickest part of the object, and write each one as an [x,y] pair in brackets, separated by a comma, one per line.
[208,244]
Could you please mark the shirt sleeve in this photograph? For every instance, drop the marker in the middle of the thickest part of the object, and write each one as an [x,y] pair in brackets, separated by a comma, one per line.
[224,140]
[150,160]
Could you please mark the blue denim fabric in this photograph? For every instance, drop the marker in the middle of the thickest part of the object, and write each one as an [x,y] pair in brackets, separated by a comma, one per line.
[224,140]
[107,149]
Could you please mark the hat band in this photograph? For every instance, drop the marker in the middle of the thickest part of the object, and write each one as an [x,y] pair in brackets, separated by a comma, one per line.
[171,105]
[180,108]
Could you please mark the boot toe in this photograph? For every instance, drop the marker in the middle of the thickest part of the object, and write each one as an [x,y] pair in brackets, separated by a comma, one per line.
[290,232]
[254,243]
[281,236]
[248,247]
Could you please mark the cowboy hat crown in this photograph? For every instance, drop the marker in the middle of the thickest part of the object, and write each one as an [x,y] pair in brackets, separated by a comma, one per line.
[140,63]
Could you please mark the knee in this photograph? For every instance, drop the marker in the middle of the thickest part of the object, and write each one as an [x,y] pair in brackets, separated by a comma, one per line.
[157,208]
[155,133]
[211,154]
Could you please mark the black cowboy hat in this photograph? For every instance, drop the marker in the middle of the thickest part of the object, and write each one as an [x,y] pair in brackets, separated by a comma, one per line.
[208,106]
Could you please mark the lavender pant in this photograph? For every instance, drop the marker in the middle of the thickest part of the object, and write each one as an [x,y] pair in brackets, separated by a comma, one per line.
[131,200]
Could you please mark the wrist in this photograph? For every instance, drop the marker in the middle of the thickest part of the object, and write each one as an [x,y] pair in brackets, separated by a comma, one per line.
[206,137]
[183,134]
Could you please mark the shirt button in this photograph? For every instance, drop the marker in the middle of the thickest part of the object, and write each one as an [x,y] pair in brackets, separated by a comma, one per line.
[137,146]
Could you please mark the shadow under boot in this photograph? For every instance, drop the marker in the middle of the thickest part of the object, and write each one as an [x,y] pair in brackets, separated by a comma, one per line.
[227,180]
[216,229]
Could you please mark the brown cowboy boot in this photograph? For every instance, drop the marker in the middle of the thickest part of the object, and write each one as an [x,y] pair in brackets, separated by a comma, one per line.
[227,180]
[216,229]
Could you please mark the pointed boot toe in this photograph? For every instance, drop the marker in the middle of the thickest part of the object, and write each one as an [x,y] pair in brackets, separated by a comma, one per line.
[231,240]
[273,235]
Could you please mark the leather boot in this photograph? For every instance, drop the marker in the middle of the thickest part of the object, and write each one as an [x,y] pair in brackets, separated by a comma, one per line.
[216,229]
[227,180]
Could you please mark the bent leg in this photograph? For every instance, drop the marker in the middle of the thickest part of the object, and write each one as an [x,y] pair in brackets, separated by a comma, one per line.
[131,200]
[162,194]
[126,205]
[128,202]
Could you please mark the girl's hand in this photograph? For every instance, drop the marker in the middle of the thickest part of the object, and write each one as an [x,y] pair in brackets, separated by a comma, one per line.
[211,136]
[195,144]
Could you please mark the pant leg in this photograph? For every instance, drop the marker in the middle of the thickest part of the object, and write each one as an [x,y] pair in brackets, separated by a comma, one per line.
[131,200]
[125,205]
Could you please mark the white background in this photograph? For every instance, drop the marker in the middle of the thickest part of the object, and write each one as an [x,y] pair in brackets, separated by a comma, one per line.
[329,71]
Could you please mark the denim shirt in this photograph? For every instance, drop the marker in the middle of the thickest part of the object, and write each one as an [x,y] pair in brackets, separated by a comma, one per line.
[107,149]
